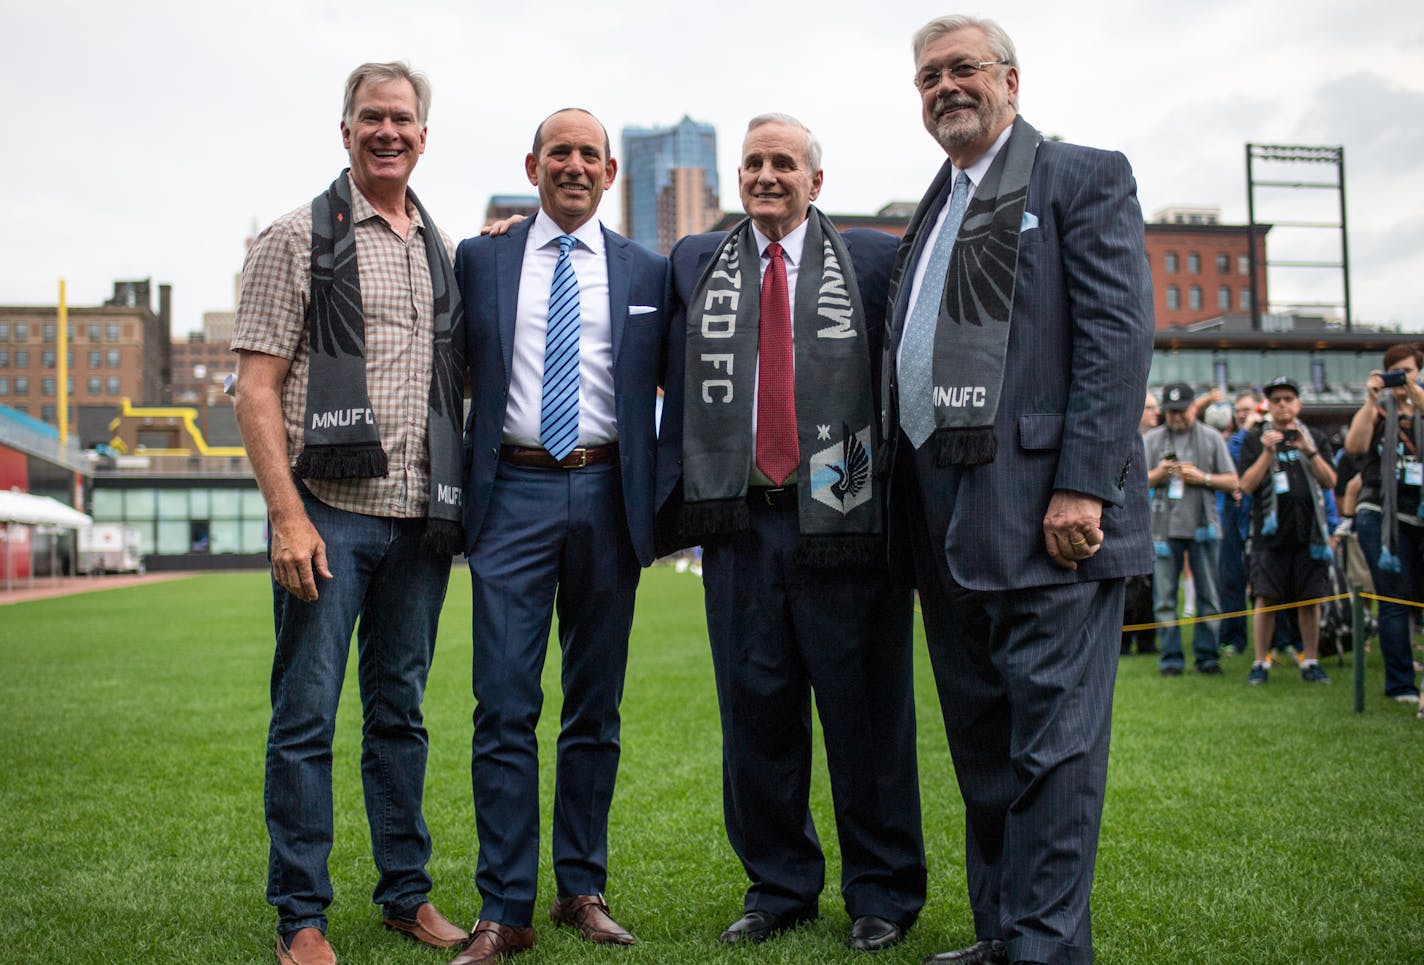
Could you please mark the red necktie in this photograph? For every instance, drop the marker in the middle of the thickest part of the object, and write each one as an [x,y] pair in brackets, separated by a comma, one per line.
[777,454]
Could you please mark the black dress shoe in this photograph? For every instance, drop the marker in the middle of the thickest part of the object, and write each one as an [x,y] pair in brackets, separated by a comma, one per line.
[757,926]
[991,952]
[870,934]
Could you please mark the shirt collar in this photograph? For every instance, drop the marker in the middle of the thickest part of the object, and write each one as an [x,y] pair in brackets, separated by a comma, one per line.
[791,245]
[544,231]
[979,168]
[362,210]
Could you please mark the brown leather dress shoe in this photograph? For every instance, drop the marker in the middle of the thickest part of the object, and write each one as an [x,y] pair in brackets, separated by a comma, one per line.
[306,947]
[492,942]
[588,914]
[428,927]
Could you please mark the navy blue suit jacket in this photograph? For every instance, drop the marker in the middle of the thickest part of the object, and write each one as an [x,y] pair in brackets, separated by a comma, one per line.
[1080,346]
[487,270]
[871,252]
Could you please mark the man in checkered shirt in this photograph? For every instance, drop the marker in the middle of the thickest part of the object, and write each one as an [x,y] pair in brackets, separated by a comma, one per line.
[352,542]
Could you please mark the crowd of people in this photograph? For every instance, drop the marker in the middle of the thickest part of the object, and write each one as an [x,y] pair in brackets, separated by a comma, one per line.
[1259,507]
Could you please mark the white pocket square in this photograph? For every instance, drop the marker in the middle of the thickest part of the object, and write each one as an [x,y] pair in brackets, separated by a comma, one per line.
[1030,220]
[641,309]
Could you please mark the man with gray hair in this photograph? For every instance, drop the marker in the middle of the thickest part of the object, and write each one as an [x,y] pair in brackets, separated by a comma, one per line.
[349,388]
[1020,337]
[770,428]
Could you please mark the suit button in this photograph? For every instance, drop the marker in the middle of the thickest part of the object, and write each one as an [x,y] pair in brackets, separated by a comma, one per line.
[495,452]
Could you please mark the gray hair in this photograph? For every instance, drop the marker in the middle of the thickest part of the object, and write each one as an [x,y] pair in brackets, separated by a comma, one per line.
[999,41]
[380,73]
[813,146]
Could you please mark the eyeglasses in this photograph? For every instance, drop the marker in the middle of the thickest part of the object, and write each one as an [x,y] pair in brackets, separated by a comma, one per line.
[929,78]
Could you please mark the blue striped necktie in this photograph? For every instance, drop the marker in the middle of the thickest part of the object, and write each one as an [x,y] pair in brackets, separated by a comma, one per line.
[559,410]
[917,343]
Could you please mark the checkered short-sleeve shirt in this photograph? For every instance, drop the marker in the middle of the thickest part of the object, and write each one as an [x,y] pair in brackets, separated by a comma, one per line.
[397,299]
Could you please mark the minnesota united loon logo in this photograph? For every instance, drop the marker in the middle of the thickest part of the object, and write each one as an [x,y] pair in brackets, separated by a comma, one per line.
[840,473]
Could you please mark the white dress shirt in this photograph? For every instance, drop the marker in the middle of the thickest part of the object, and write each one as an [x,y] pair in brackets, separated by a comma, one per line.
[598,422]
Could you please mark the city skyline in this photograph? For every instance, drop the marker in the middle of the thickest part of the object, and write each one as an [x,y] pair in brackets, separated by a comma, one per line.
[169,132]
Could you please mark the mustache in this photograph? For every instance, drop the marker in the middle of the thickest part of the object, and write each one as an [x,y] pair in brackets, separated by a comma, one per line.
[943,104]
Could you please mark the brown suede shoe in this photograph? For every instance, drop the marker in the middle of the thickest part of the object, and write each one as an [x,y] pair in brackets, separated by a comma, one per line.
[307,947]
[589,915]
[429,927]
[492,942]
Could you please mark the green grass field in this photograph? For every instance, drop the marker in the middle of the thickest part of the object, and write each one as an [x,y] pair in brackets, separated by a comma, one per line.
[1242,824]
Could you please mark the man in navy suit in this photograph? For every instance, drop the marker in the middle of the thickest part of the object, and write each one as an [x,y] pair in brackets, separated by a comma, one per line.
[566,336]
[775,437]
[1018,482]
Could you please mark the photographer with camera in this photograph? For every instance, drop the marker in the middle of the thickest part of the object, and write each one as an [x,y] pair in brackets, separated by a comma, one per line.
[1285,467]
[1387,435]
[1189,466]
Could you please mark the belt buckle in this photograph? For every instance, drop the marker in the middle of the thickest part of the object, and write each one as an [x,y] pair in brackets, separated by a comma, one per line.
[582,462]
[771,493]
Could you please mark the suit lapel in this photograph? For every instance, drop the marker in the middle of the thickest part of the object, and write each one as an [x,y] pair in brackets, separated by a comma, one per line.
[508,265]
[619,280]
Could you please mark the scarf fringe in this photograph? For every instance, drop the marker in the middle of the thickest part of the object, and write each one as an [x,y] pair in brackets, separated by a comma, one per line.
[1270,525]
[716,517]
[964,447]
[443,537]
[1388,562]
[342,462]
[835,552]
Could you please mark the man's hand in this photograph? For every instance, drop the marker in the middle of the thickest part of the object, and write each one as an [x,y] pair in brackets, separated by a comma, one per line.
[502,226]
[1071,529]
[298,556]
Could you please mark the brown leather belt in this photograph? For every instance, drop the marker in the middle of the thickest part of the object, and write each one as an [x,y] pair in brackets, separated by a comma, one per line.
[540,458]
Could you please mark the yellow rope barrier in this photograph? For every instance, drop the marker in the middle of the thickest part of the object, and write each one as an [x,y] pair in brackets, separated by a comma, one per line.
[1187,621]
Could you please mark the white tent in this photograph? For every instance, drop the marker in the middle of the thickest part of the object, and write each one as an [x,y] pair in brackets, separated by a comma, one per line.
[24,509]
[18,507]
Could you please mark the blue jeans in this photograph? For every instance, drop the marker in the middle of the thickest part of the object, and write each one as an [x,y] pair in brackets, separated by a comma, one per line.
[1166,571]
[1232,577]
[380,574]
[1395,619]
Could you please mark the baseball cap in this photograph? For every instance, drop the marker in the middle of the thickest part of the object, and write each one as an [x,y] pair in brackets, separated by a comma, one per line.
[1281,382]
[1177,397]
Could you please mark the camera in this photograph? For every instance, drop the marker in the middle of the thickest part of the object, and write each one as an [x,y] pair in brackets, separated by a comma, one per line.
[1290,435]
[1394,378]
[1169,457]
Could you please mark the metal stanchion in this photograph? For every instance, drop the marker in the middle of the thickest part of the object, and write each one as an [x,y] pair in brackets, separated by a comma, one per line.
[1357,626]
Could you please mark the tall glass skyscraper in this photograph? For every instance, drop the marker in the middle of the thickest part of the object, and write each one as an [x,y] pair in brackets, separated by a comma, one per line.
[670,186]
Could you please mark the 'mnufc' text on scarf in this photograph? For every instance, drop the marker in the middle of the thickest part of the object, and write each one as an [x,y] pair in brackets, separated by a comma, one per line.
[342,417]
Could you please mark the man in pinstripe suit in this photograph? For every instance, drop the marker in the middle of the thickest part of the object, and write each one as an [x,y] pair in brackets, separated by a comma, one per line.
[1018,489]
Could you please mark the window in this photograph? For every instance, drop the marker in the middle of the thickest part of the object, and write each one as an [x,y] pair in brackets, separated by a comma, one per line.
[22,386]
[1223,264]
[95,359]
[50,330]
[47,359]
[1174,297]
[69,385]
[113,358]
[1193,263]
[22,332]
[47,413]
[46,386]
[1223,298]
[5,331]
[1243,264]
[112,386]
[93,384]
[1169,262]
[4,385]
[4,358]
[1194,298]
[22,359]
[111,332]
[22,408]
[1245,302]
[93,332]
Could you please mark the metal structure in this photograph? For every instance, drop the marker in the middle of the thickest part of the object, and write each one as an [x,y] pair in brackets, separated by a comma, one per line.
[1298,154]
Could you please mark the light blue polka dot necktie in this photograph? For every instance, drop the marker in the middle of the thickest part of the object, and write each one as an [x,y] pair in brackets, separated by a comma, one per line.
[917,344]
[559,409]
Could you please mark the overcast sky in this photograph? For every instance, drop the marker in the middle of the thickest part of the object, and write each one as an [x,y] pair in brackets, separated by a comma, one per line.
[149,136]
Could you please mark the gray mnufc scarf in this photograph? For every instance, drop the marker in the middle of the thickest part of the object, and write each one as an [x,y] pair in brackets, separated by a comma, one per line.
[340,436]
[1389,479]
[972,331]
[1320,535]
[838,504]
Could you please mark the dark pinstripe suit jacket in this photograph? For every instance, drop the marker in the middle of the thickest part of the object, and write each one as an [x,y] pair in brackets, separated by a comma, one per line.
[1080,346]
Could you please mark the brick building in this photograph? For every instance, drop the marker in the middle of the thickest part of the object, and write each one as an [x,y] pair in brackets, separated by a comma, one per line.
[1201,268]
